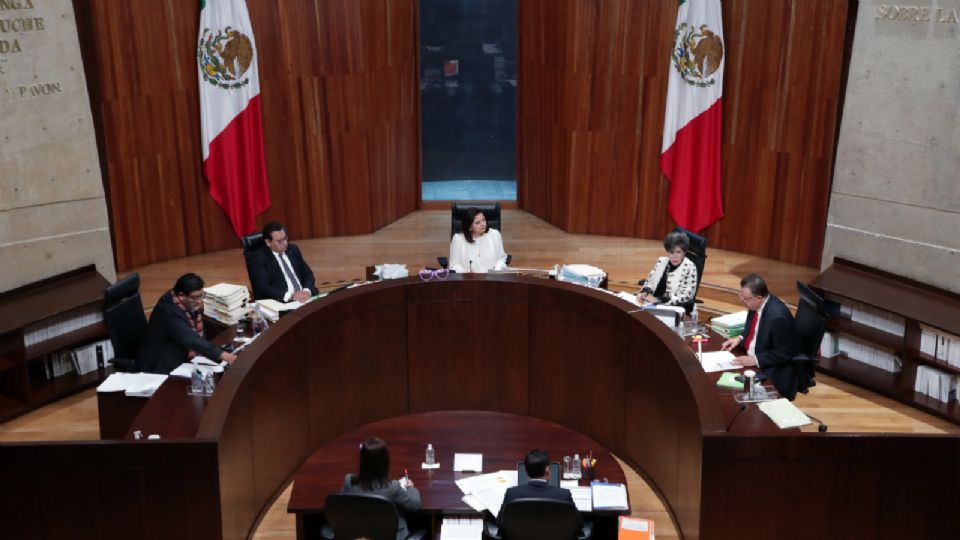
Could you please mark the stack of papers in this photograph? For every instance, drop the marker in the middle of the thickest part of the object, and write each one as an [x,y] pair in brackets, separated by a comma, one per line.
[461,528]
[226,303]
[204,364]
[271,309]
[132,384]
[582,274]
[783,413]
[718,361]
[467,462]
[730,325]
[609,496]
[486,491]
[582,497]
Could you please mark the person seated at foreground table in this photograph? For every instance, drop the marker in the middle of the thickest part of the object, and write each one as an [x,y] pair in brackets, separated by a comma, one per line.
[770,340]
[537,465]
[175,332]
[278,270]
[476,249]
[673,279]
[374,477]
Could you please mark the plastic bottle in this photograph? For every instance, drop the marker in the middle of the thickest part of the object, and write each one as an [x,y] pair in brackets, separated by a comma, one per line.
[577,469]
[694,316]
[196,382]
[429,456]
[208,384]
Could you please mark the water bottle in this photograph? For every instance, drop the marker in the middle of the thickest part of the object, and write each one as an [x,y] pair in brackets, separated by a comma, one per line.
[429,456]
[208,384]
[196,382]
[694,316]
[577,469]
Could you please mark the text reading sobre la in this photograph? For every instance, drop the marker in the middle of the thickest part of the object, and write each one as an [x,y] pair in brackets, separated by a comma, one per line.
[16,25]
[916,14]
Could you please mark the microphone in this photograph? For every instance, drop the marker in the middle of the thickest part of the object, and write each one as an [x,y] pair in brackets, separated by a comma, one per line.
[821,427]
[743,407]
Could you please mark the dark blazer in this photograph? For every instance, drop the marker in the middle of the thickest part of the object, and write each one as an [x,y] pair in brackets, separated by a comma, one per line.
[168,339]
[777,346]
[536,488]
[267,278]
[405,499]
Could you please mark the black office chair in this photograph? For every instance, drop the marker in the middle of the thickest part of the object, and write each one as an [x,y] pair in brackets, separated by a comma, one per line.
[538,519]
[697,253]
[362,515]
[811,325]
[491,211]
[126,323]
[251,243]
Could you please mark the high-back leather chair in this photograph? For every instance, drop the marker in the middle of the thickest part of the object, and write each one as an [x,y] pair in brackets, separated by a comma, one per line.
[251,243]
[811,324]
[539,519]
[125,320]
[491,211]
[362,515]
[697,253]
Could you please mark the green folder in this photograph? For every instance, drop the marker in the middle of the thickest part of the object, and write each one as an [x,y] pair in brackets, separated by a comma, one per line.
[729,380]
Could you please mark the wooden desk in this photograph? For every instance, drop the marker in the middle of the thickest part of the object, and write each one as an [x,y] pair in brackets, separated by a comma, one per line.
[503,439]
[640,393]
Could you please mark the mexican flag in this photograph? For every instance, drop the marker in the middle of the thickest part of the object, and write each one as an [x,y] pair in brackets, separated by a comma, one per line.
[230,121]
[690,156]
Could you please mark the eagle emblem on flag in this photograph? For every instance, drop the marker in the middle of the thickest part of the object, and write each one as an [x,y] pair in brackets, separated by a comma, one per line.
[697,54]
[225,57]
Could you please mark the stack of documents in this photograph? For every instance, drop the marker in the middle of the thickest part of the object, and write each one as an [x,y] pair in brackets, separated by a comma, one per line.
[940,345]
[582,497]
[939,385]
[609,496]
[718,361]
[225,303]
[868,353]
[202,363]
[783,413]
[582,274]
[461,528]
[132,384]
[633,528]
[730,325]
[271,309]
[486,491]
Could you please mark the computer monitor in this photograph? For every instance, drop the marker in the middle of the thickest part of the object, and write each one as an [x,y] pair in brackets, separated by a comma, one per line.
[554,480]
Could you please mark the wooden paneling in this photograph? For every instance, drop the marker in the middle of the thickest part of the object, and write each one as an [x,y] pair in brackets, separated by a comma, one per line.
[591,97]
[340,119]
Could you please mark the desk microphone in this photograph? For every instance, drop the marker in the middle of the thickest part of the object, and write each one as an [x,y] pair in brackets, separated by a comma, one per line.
[743,407]
[821,427]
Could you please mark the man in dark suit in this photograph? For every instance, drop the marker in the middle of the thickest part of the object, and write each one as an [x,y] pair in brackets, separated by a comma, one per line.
[175,332]
[537,465]
[278,271]
[770,340]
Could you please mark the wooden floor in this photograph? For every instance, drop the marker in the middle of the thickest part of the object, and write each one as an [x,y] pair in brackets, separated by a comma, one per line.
[418,239]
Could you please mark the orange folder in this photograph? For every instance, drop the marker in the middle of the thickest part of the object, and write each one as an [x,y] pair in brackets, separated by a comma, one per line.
[633,528]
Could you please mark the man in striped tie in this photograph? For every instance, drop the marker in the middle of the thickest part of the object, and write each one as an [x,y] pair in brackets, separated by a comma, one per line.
[770,340]
[278,271]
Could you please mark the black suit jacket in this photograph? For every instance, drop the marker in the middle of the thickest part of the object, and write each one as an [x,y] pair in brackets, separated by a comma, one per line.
[777,346]
[168,339]
[536,489]
[267,278]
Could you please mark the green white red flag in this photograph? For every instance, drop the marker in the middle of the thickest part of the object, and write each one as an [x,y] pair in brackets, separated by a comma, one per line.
[693,121]
[231,125]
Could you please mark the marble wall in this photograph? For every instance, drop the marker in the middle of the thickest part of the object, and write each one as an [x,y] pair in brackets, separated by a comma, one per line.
[895,201]
[53,215]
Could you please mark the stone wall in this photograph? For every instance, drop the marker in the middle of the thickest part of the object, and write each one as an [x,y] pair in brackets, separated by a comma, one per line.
[895,202]
[53,215]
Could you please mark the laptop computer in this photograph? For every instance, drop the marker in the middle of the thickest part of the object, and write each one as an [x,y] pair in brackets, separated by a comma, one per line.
[554,480]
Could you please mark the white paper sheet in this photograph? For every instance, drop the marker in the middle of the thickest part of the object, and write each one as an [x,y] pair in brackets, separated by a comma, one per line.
[609,496]
[718,361]
[583,498]
[467,462]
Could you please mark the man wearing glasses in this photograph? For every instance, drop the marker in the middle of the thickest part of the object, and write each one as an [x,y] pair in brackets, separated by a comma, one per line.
[770,340]
[278,271]
[175,332]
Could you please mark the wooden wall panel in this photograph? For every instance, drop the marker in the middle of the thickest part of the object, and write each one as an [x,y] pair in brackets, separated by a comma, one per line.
[592,91]
[340,119]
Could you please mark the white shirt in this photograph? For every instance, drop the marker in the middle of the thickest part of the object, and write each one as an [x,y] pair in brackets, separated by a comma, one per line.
[483,254]
[292,287]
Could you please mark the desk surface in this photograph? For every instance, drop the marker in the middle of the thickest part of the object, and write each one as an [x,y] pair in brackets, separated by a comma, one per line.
[503,439]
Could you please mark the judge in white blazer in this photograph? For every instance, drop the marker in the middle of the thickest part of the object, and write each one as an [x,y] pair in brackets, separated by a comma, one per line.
[673,280]
[476,249]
